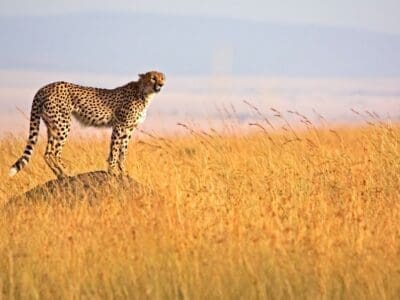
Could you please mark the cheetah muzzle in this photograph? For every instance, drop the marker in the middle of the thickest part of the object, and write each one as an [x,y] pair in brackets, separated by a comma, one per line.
[122,108]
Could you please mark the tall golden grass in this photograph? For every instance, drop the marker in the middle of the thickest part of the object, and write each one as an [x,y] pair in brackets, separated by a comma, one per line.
[284,214]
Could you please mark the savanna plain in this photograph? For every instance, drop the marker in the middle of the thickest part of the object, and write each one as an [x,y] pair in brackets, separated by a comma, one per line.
[294,211]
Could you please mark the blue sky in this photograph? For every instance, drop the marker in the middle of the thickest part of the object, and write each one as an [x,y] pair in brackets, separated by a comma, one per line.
[348,58]
[254,37]
[375,15]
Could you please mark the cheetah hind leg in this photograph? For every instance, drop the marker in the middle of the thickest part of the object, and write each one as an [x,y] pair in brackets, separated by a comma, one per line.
[51,160]
[49,156]
[53,152]
[60,142]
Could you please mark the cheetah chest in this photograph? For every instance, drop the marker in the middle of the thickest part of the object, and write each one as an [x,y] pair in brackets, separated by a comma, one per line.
[141,117]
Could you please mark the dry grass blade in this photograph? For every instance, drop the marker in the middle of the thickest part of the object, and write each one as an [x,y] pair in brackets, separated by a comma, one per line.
[313,214]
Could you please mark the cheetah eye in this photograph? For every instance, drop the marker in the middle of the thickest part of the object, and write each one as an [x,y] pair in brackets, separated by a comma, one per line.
[153,79]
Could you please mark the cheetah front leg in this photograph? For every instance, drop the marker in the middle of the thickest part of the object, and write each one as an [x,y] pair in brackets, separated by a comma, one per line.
[124,148]
[119,144]
[114,150]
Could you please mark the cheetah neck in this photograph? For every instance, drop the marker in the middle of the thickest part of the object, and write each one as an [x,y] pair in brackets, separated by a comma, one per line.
[148,99]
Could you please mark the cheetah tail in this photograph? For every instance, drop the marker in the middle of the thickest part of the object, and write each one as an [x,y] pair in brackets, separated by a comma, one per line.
[32,140]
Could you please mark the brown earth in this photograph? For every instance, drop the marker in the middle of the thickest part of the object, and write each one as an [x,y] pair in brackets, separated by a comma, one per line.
[91,187]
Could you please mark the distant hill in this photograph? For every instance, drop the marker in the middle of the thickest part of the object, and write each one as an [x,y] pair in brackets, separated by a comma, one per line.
[128,43]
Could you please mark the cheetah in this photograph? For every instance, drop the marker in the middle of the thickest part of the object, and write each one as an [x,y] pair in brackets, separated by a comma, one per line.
[122,108]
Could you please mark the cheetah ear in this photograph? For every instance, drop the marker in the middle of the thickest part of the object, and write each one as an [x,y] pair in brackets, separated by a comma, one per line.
[141,76]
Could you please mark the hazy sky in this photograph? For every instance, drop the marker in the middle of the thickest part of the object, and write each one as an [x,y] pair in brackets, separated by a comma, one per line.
[376,15]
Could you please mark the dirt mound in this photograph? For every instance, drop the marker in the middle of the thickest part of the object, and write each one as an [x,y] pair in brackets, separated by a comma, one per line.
[91,187]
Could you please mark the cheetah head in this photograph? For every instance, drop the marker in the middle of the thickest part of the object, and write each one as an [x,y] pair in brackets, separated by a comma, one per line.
[152,81]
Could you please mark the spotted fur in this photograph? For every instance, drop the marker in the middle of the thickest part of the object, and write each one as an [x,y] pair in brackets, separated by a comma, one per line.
[122,108]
